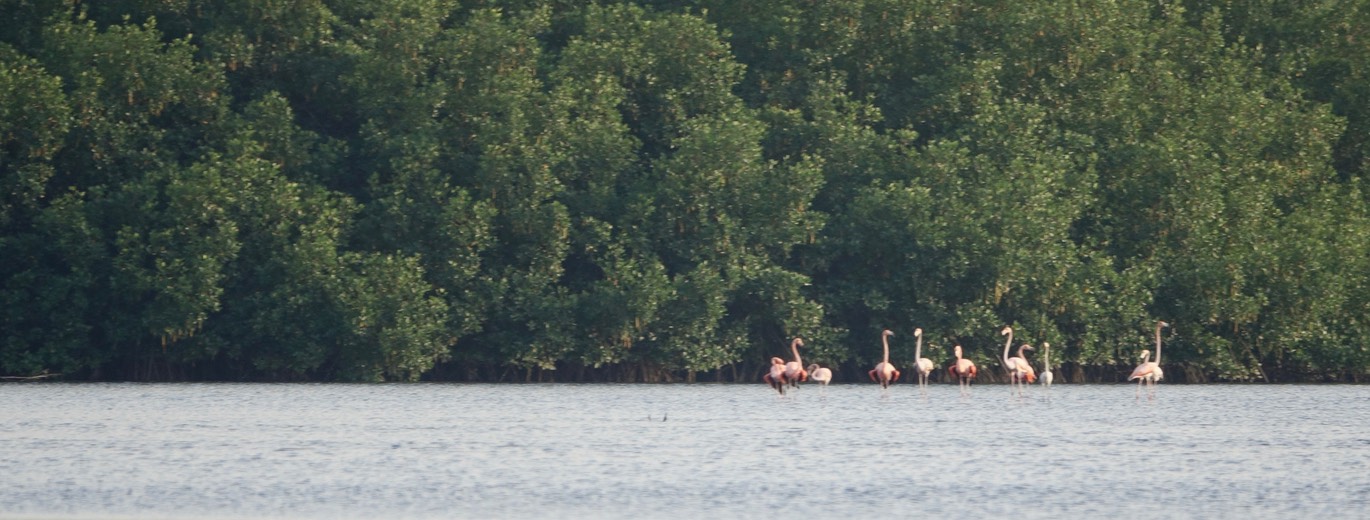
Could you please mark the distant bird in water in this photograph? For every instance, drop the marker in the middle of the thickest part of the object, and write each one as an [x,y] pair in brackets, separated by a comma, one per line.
[1142,373]
[1149,373]
[794,370]
[1046,365]
[821,374]
[922,365]
[776,376]
[963,370]
[1026,373]
[884,372]
[1019,370]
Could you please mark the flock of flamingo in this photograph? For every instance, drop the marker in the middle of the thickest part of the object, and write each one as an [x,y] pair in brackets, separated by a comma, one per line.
[784,374]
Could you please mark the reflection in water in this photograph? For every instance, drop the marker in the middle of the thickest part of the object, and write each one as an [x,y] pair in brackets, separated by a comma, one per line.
[675,451]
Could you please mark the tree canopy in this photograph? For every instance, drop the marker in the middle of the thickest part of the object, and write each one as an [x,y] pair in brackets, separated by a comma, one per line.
[363,190]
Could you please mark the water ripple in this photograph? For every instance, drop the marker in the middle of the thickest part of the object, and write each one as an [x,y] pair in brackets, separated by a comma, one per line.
[727,451]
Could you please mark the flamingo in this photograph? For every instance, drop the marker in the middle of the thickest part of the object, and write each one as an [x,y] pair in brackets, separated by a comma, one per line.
[1150,372]
[794,370]
[1010,364]
[963,370]
[884,372]
[1026,373]
[776,376]
[1018,368]
[1158,374]
[1046,365]
[924,365]
[1142,373]
[821,374]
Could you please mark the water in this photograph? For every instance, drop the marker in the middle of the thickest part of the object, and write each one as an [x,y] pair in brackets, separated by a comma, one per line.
[679,451]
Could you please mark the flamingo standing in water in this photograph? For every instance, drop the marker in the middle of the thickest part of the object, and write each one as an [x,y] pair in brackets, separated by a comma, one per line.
[884,372]
[1150,372]
[1142,373]
[821,374]
[1019,371]
[923,365]
[776,376]
[1026,373]
[963,370]
[794,370]
[1046,365]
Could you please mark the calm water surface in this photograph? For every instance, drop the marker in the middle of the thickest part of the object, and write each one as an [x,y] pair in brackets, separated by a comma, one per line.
[679,451]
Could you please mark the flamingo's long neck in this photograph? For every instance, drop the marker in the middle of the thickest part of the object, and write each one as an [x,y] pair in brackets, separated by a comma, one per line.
[1158,343]
[1007,344]
[918,348]
[885,339]
[1046,357]
[794,346]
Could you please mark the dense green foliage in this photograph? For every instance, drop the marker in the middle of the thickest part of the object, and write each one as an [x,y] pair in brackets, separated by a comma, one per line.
[370,190]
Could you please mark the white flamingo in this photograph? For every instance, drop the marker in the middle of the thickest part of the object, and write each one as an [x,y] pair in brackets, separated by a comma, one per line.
[1046,365]
[923,365]
[821,374]
[1149,373]
[1018,368]
[1142,373]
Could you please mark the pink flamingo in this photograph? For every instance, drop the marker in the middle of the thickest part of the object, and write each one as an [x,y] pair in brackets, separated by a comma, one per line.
[776,376]
[1019,370]
[963,370]
[884,372]
[1028,373]
[1149,373]
[923,365]
[794,370]
[821,374]
[1142,373]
